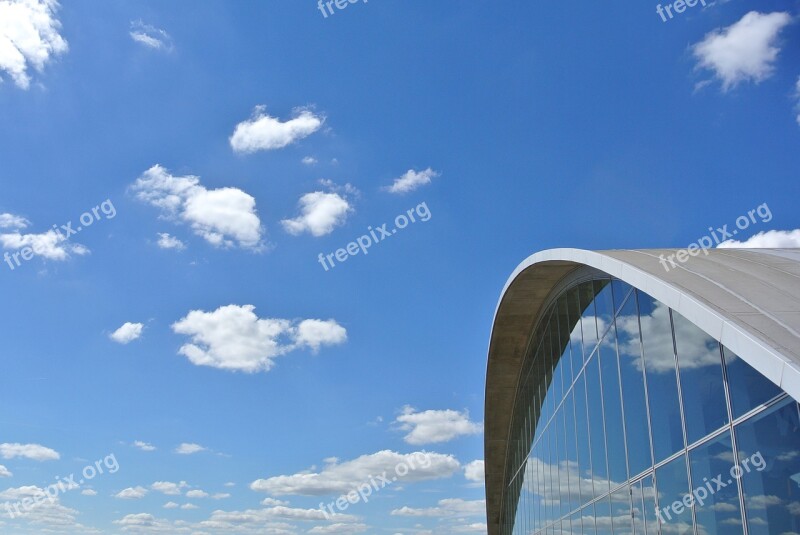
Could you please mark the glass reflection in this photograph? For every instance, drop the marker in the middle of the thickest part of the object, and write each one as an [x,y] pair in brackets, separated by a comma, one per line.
[748,388]
[717,511]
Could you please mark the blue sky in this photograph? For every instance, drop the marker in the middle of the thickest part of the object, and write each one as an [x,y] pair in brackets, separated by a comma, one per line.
[188,336]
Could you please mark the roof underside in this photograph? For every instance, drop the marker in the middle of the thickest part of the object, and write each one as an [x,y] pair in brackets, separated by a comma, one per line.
[747,299]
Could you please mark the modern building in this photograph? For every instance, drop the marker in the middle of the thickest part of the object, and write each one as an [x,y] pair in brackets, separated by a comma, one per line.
[626,394]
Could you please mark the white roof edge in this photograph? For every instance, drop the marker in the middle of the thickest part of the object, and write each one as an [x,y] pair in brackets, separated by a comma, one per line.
[747,344]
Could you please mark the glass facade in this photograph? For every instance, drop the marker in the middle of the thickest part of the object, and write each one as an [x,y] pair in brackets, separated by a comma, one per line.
[629,419]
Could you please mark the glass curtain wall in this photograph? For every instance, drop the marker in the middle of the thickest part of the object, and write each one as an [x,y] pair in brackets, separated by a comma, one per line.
[630,419]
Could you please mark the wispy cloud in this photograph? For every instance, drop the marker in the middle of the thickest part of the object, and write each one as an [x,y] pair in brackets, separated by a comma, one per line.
[150,36]
[412,180]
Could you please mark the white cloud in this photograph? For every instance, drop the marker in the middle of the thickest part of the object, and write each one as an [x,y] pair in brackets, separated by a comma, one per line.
[272,502]
[150,36]
[169,488]
[449,507]
[234,338]
[189,506]
[339,528]
[53,245]
[165,241]
[340,478]
[171,505]
[89,492]
[474,471]
[29,37]
[412,180]
[12,221]
[273,513]
[743,51]
[188,448]
[220,496]
[132,493]
[4,471]
[771,239]
[309,160]
[127,333]
[320,213]
[262,132]
[144,446]
[35,452]
[197,493]
[224,217]
[432,426]
[47,516]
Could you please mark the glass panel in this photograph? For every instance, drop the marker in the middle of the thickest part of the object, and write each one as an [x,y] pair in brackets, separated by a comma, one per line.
[602,509]
[558,444]
[576,523]
[603,305]
[564,329]
[769,459]
[575,325]
[621,291]
[662,385]
[594,399]
[717,511]
[634,399]
[747,387]
[702,387]
[612,406]
[621,511]
[637,508]
[587,520]
[582,436]
[588,319]
[673,487]
[571,468]
[649,499]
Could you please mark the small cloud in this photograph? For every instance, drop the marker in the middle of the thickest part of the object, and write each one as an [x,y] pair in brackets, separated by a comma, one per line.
[229,484]
[144,446]
[436,426]
[197,493]
[89,492]
[171,505]
[165,241]
[127,333]
[132,493]
[309,160]
[220,496]
[474,471]
[4,471]
[272,502]
[412,180]
[150,36]
[12,221]
[189,449]
[189,506]
[320,213]
[263,132]
[771,239]
[744,51]
[169,488]
[35,452]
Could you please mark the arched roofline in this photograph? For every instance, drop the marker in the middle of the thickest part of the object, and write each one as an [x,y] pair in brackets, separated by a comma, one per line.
[749,300]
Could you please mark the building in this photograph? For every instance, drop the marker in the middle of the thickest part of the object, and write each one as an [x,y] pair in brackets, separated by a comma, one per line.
[623,396]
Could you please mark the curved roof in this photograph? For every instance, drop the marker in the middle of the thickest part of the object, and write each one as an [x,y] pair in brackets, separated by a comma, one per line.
[748,299]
